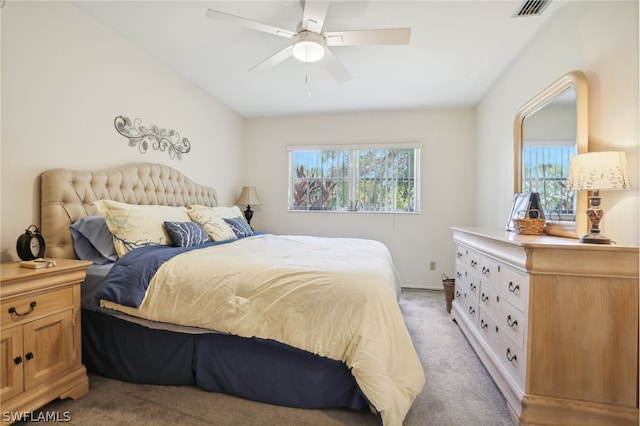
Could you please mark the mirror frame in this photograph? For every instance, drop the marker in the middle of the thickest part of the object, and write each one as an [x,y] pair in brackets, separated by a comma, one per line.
[578,81]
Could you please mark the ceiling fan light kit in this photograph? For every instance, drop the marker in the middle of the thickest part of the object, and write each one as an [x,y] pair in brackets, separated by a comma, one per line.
[309,43]
[308,47]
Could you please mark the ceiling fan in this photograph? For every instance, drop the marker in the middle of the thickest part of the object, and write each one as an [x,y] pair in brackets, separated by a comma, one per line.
[310,44]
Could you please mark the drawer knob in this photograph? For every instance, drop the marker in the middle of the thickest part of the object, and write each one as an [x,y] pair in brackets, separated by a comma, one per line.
[471,310]
[472,287]
[32,305]
[484,297]
[457,294]
[511,323]
[513,288]
[17,360]
[485,270]
[29,356]
[459,255]
[483,324]
[474,263]
[511,357]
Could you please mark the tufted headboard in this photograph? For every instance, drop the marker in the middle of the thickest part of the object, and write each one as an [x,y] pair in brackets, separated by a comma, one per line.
[67,195]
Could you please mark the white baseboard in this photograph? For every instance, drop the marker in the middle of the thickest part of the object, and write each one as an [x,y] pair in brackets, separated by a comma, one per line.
[415,287]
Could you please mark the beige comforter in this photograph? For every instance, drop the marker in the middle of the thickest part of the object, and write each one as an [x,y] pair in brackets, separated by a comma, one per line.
[333,297]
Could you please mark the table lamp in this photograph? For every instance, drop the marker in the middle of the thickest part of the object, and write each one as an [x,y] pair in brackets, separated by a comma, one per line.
[248,197]
[596,171]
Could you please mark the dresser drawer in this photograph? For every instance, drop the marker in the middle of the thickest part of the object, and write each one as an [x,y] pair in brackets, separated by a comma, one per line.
[511,320]
[468,258]
[26,307]
[511,284]
[506,351]
[468,281]
[467,303]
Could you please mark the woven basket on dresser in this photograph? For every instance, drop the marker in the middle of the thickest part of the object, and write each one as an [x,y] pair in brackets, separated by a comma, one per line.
[529,225]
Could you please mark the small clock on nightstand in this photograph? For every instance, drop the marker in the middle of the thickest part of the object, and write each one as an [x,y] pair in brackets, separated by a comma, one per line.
[30,245]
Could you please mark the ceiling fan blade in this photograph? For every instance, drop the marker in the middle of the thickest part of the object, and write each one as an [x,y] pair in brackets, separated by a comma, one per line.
[274,60]
[335,67]
[314,14]
[248,23]
[363,37]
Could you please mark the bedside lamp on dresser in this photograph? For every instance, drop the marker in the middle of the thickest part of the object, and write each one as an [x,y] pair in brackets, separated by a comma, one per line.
[41,351]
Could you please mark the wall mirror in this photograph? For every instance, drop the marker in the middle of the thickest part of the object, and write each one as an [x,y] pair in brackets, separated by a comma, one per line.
[548,130]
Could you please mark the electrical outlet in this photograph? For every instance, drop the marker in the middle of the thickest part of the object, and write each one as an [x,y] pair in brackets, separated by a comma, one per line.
[432,266]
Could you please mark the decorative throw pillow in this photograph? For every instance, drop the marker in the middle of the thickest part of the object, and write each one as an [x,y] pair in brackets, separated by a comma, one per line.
[240,227]
[215,226]
[186,234]
[136,226]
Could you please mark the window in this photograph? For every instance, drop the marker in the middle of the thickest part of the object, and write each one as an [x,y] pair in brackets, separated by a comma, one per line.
[372,178]
[545,171]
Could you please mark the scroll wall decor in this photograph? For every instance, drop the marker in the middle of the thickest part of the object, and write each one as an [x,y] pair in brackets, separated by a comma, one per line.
[158,139]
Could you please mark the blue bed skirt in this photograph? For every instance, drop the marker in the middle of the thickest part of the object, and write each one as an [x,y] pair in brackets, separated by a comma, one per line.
[256,369]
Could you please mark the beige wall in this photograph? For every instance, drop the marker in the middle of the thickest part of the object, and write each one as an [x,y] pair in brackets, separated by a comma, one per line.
[447,191]
[65,77]
[601,39]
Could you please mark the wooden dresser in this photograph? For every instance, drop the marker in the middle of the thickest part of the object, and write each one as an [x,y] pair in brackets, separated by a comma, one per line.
[40,347]
[555,323]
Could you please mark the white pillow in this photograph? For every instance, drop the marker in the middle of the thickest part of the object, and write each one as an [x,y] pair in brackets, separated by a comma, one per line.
[216,227]
[136,226]
[223,212]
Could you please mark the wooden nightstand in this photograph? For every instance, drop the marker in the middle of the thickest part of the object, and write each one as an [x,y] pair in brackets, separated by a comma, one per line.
[40,346]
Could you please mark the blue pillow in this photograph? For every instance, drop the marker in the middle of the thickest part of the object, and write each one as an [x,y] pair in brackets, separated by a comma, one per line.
[93,241]
[186,234]
[240,227]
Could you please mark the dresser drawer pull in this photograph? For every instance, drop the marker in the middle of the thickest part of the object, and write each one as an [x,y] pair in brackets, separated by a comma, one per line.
[484,297]
[511,357]
[29,356]
[472,287]
[513,288]
[17,360]
[458,275]
[459,255]
[511,323]
[474,263]
[471,310]
[457,294]
[483,324]
[12,310]
[485,270]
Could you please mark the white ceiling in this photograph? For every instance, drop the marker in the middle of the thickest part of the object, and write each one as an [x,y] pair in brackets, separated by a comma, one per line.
[458,49]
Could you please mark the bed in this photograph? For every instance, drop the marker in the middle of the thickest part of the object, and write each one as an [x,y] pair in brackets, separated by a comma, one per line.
[287,320]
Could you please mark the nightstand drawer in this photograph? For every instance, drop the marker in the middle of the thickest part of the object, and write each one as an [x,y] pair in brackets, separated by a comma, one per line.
[28,307]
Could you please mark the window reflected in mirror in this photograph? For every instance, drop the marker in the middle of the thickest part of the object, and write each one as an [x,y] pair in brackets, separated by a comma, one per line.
[548,142]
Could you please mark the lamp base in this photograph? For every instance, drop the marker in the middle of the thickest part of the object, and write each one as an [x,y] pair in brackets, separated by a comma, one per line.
[248,214]
[595,239]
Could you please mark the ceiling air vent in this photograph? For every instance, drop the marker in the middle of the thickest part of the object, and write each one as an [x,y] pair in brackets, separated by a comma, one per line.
[531,8]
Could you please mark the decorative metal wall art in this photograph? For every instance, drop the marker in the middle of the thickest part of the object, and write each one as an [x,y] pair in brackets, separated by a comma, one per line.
[158,139]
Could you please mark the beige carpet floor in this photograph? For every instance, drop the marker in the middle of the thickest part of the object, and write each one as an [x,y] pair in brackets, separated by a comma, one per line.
[458,390]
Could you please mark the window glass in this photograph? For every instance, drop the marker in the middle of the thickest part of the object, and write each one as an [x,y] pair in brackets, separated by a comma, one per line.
[372,179]
[545,168]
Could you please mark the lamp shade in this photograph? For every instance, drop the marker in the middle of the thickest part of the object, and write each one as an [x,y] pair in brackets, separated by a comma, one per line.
[599,171]
[249,197]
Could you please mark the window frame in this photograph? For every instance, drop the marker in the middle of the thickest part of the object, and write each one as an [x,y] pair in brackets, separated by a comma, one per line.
[353,178]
